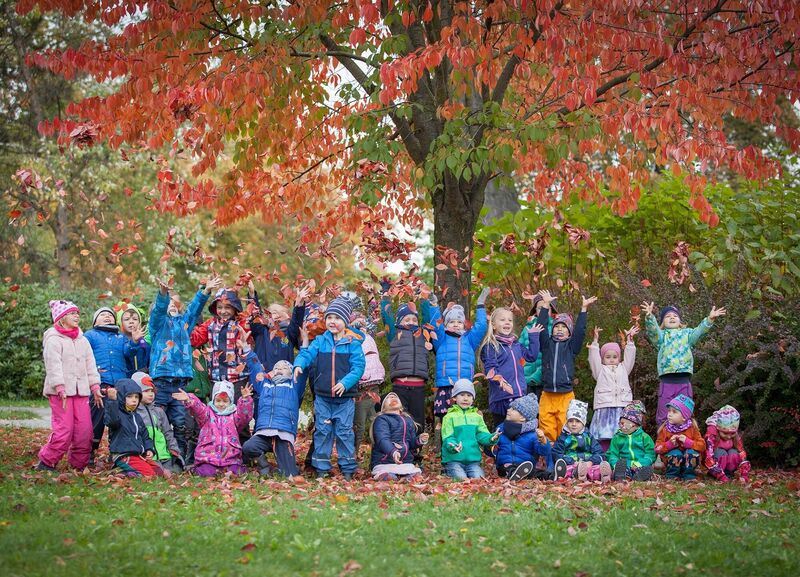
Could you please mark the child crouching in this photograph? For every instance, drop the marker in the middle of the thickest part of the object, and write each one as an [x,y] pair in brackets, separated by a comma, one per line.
[725,454]
[165,446]
[394,442]
[631,454]
[131,448]
[576,452]
[522,443]
[463,431]
[679,440]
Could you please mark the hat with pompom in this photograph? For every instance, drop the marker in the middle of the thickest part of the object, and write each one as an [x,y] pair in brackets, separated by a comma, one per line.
[61,308]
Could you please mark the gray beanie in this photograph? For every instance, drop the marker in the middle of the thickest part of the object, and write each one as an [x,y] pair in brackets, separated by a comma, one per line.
[101,310]
[455,313]
[527,406]
[577,410]
[463,386]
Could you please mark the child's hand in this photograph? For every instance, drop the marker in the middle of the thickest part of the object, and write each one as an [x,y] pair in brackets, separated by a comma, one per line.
[398,458]
[247,391]
[587,302]
[251,289]
[63,396]
[148,455]
[181,395]
[681,439]
[338,389]
[495,436]
[163,287]
[716,313]
[304,336]
[386,284]
[213,285]
[242,345]
[111,393]
[297,372]
[648,307]
[424,438]
[535,328]
[458,448]
[596,335]
[302,295]
[97,398]
[631,332]
[483,296]
[506,386]
[433,299]
[540,436]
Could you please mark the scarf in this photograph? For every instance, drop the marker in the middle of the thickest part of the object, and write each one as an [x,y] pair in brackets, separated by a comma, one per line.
[71,333]
[514,430]
[508,341]
[678,428]
[280,379]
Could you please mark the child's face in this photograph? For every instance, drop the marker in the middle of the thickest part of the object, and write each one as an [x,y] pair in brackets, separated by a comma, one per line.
[455,326]
[672,321]
[464,400]
[70,320]
[282,371]
[408,321]
[611,358]
[131,401]
[514,416]
[726,435]
[674,416]
[334,323]
[503,323]
[574,426]
[105,318]
[560,331]
[174,308]
[627,426]
[393,403]
[225,311]
[131,321]
[278,312]
[221,402]
[148,397]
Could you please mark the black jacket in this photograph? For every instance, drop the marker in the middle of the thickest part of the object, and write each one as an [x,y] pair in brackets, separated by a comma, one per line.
[127,433]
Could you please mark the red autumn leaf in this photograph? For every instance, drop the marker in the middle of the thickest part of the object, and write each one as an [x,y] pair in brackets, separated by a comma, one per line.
[645,283]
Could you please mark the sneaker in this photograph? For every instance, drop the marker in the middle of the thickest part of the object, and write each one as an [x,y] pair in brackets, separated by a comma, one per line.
[744,471]
[521,471]
[643,473]
[583,470]
[347,476]
[42,467]
[560,470]
[605,472]
[620,470]
[321,474]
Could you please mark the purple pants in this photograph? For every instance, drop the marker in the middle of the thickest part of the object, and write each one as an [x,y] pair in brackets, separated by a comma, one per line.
[208,470]
[667,392]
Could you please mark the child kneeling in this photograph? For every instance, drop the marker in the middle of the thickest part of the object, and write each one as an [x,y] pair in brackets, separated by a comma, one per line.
[576,452]
[463,431]
[521,444]
[394,442]
[631,454]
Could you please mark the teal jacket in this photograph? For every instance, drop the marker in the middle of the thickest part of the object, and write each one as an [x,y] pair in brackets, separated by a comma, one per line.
[674,345]
[464,426]
[532,371]
[638,449]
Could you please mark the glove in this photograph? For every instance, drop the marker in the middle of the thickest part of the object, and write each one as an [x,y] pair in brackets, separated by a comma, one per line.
[386,284]
[483,296]
[433,299]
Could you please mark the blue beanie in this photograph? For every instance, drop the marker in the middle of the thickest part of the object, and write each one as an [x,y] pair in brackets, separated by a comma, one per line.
[402,311]
[342,307]
[668,309]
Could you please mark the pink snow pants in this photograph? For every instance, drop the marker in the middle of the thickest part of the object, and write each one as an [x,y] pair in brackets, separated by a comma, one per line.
[72,432]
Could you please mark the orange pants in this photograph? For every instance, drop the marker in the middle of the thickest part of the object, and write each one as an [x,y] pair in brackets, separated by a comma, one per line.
[553,413]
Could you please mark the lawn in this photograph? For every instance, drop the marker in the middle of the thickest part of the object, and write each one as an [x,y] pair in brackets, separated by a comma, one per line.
[16,414]
[75,524]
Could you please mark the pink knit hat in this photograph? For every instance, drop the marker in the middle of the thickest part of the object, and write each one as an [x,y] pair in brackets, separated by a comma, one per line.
[59,309]
[610,347]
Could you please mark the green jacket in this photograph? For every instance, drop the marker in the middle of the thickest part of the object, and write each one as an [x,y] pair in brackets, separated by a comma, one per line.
[464,426]
[637,448]
[200,384]
[674,345]
[532,371]
[159,429]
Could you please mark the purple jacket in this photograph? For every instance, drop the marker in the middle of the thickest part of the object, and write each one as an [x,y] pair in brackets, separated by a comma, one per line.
[218,444]
[507,362]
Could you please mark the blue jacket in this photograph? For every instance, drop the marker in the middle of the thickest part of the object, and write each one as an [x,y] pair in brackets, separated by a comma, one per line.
[141,359]
[574,448]
[558,357]
[525,447]
[455,354]
[270,350]
[175,359]
[388,429]
[127,433]
[334,362]
[509,361]
[278,403]
[113,352]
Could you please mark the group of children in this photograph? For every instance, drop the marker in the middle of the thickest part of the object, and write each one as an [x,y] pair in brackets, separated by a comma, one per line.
[260,360]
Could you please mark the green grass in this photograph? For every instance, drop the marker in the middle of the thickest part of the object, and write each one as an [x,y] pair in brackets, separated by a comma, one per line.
[6,402]
[78,525]
[16,414]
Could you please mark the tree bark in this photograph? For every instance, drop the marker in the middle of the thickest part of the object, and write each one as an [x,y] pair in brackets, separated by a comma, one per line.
[500,199]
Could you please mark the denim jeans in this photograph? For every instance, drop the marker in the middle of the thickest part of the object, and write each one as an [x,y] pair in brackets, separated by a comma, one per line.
[461,471]
[176,412]
[333,419]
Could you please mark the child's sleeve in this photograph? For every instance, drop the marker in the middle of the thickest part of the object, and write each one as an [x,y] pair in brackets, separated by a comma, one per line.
[373,368]
[595,362]
[130,348]
[612,455]
[483,435]
[663,444]
[545,450]
[111,414]
[438,326]
[652,330]
[387,316]
[448,442]
[428,313]
[740,447]
[166,429]
[194,309]
[357,365]
[694,440]
[159,314]
[630,357]
[54,363]
[91,369]
[490,363]
[149,445]
[649,456]
[295,324]
[478,330]
[255,368]
[198,410]
[576,340]
[307,356]
[597,452]
[381,432]
[244,412]
[531,351]
[544,337]
[199,335]
[699,331]
[559,448]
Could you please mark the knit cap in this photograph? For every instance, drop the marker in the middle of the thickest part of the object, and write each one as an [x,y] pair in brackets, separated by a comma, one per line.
[609,347]
[527,406]
[566,320]
[725,419]
[60,309]
[666,310]
[577,410]
[386,398]
[222,388]
[143,380]
[463,386]
[684,405]
[101,310]
[634,412]
[402,311]
[341,307]
[454,313]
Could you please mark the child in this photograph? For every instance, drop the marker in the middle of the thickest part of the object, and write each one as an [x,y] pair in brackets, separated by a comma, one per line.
[394,442]
[165,447]
[631,454]
[130,445]
[533,371]
[559,350]
[503,358]
[369,386]
[576,452]
[725,452]
[521,443]
[463,431]
[278,338]
[130,320]
[70,377]
[278,412]
[218,448]
[338,363]
[674,343]
[171,350]
[679,440]
[113,352]
[612,391]
[455,349]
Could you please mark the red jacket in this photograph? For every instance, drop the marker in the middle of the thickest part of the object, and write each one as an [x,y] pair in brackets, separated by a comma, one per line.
[694,440]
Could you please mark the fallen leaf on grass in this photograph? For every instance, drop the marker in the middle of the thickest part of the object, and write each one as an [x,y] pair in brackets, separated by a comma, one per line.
[350,567]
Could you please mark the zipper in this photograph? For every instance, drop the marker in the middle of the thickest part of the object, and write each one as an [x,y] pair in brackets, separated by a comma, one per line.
[458,358]
[555,367]
[414,354]
[516,374]
[405,447]
[333,368]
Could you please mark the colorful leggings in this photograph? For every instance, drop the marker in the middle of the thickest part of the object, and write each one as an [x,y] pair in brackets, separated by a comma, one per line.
[682,464]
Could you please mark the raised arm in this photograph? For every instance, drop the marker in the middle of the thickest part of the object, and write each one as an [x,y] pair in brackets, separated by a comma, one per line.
[387,316]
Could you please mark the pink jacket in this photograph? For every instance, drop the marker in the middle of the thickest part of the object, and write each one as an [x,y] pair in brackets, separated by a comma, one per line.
[218,443]
[373,371]
[69,363]
[612,389]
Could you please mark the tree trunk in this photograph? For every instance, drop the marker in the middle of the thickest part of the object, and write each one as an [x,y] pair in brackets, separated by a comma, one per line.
[62,247]
[500,199]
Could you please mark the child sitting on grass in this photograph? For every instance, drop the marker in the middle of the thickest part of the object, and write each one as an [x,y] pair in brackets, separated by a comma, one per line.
[130,445]
[166,450]
[578,454]
[521,443]
[631,454]
[395,442]
[725,454]
[679,440]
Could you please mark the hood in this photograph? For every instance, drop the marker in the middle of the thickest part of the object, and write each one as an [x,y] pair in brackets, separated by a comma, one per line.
[124,388]
[222,387]
[227,295]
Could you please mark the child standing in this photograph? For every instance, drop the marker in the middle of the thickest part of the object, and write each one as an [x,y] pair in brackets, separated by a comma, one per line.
[338,363]
[369,386]
[576,452]
[613,390]
[521,443]
[395,442]
[463,432]
[220,421]
[559,350]
[278,338]
[70,377]
[631,454]
[674,343]
[679,440]
[130,320]
[503,358]
[533,371]
[130,445]
[165,447]
[725,452]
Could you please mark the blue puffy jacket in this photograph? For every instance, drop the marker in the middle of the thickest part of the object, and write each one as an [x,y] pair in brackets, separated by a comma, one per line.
[278,403]
[334,362]
[389,431]
[455,354]
[581,447]
[113,352]
[171,349]
[127,433]
[558,357]
[521,448]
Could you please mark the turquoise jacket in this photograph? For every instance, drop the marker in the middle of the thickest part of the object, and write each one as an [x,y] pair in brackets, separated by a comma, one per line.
[674,345]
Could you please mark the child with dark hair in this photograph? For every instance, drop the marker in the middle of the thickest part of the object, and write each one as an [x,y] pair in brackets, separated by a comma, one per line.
[131,447]
[679,440]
